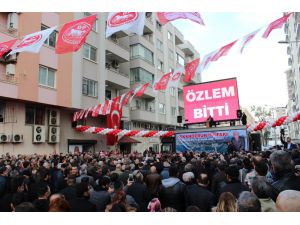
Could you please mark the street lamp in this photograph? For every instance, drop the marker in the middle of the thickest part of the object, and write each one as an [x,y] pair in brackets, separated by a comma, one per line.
[288,42]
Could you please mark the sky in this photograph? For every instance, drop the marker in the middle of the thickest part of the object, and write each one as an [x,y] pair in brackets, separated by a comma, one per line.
[260,70]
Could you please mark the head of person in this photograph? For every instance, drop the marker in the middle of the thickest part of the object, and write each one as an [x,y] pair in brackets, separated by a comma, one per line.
[17,199]
[17,184]
[83,169]
[297,170]
[43,191]
[25,207]
[261,168]
[192,208]
[71,180]
[74,171]
[288,201]
[104,182]
[59,204]
[138,176]
[119,198]
[281,161]
[203,180]
[227,203]
[248,202]
[153,169]
[82,190]
[188,177]
[173,171]
[154,205]
[55,196]
[118,186]
[261,188]
[288,140]
[232,173]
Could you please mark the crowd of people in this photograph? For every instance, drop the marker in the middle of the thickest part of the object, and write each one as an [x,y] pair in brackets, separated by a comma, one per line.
[148,182]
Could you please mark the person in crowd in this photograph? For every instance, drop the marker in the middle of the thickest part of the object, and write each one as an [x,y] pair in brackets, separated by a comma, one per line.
[84,174]
[16,200]
[119,204]
[25,207]
[81,203]
[42,202]
[139,191]
[100,196]
[126,170]
[244,119]
[233,185]
[288,145]
[199,195]
[118,170]
[58,203]
[172,191]
[70,191]
[154,205]
[297,170]
[192,208]
[263,191]
[3,180]
[153,182]
[227,203]
[288,201]
[219,178]
[248,202]
[165,172]
[284,177]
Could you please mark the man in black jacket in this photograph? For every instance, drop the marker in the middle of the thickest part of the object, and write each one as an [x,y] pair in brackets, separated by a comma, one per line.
[288,145]
[172,191]
[81,203]
[282,166]
[198,194]
[100,196]
[234,186]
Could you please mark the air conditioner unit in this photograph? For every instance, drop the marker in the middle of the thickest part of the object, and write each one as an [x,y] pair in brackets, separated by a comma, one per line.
[54,117]
[39,135]
[114,38]
[4,138]
[10,69]
[53,134]
[12,22]
[115,64]
[17,138]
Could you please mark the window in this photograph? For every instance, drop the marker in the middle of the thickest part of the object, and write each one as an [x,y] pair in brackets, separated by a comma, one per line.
[158,26]
[179,59]
[159,45]
[34,115]
[162,108]
[89,87]
[172,91]
[52,38]
[107,94]
[2,112]
[139,51]
[173,111]
[139,75]
[160,65]
[47,76]
[89,52]
[95,25]
[171,54]
[170,36]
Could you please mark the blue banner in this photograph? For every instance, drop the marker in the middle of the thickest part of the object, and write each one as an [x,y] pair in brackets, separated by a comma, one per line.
[211,141]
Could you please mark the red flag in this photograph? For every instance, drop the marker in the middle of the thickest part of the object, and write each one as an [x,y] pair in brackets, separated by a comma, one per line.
[165,17]
[73,34]
[95,113]
[6,46]
[140,91]
[191,70]
[75,116]
[247,39]
[222,51]
[114,120]
[162,83]
[104,107]
[81,115]
[125,98]
[276,25]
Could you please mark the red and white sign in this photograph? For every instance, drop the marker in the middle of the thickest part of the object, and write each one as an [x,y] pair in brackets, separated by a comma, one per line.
[190,70]
[175,78]
[33,42]
[6,46]
[73,34]
[218,99]
[131,21]
[165,17]
[162,83]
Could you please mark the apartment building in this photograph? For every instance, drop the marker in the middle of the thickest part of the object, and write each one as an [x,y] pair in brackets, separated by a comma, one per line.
[292,31]
[40,92]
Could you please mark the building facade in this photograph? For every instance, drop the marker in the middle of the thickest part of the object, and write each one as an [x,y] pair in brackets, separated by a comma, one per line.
[40,92]
[292,31]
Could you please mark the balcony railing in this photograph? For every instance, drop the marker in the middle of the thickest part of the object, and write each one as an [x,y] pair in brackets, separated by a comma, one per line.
[117,72]
[12,79]
[143,108]
[117,42]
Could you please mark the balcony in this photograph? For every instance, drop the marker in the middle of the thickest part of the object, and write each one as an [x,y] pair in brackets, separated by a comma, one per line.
[11,79]
[116,51]
[139,61]
[149,26]
[187,48]
[149,91]
[146,41]
[117,79]
[139,114]
[179,39]
[125,113]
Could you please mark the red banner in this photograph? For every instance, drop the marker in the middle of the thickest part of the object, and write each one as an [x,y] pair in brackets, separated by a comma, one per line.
[73,34]
[6,46]
[162,83]
[191,70]
[114,120]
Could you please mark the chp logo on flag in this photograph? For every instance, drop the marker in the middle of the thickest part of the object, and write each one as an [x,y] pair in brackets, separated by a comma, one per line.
[176,76]
[74,34]
[122,18]
[30,41]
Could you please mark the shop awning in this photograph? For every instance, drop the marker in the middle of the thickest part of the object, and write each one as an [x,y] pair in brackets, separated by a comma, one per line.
[127,140]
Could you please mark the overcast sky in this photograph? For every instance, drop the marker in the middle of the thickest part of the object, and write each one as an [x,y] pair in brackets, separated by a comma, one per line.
[260,70]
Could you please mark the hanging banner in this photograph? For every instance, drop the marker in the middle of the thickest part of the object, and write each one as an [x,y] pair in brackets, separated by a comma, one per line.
[190,70]
[33,42]
[218,99]
[6,46]
[276,25]
[114,120]
[73,34]
[212,141]
[175,78]
[162,83]
[166,17]
[131,21]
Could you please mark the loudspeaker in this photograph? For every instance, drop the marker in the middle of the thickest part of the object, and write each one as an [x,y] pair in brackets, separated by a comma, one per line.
[179,119]
[239,113]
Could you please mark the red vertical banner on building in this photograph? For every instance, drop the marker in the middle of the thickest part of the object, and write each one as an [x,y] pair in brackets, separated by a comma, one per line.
[114,120]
